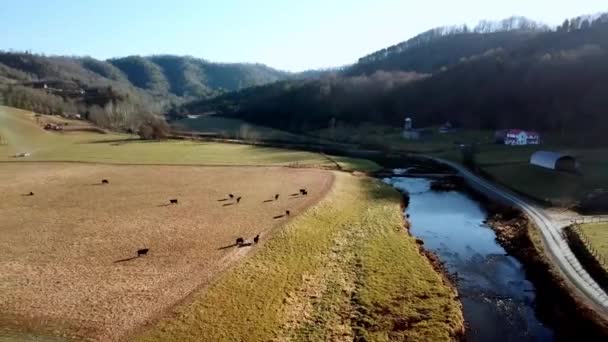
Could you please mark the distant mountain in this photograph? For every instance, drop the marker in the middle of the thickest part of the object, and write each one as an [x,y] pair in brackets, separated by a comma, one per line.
[165,76]
[441,47]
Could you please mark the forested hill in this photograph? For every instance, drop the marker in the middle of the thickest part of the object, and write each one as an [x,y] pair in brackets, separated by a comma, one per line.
[441,47]
[552,81]
[163,76]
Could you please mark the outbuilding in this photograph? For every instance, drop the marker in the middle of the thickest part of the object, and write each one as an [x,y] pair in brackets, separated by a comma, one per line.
[554,161]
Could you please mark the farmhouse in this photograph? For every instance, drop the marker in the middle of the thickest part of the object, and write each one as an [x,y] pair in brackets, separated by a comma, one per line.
[554,161]
[517,137]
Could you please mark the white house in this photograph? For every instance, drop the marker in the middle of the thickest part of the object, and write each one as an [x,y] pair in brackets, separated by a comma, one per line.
[520,137]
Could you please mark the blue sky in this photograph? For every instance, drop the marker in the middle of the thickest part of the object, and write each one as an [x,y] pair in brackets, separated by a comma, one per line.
[285,34]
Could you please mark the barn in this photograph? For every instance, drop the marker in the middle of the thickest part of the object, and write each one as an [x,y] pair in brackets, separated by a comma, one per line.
[554,161]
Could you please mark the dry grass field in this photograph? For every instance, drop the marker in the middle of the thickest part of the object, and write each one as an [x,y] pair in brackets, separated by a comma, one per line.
[341,267]
[21,134]
[68,261]
[345,270]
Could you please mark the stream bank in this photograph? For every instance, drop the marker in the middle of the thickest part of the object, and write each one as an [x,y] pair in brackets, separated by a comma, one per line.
[497,298]
[556,304]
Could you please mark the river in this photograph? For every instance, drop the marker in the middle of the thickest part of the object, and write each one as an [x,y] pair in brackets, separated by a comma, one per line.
[498,301]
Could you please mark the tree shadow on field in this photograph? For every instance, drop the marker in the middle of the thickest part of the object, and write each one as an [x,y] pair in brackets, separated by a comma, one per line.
[229,246]
[117,142]
[124,260]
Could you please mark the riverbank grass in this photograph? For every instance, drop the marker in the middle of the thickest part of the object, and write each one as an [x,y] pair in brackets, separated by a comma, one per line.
[345,269]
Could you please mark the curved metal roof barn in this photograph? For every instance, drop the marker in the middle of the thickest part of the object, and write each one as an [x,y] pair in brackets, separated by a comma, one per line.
[554,161]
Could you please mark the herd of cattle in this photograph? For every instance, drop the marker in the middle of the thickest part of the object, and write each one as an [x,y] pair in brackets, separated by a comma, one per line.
[240,241]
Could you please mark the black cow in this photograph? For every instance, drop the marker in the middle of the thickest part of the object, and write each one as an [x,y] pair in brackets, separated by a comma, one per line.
[231,195]
[105,181]
[142,251]
[287,212]
[240,241]
[30,194]
[302,191]
[173,201]
[238,199]
[276,197]
[256,239]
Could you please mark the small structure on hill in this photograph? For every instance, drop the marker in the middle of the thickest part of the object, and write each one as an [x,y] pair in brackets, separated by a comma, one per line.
[446,128]
[554,161]
[517,137]
[410,133]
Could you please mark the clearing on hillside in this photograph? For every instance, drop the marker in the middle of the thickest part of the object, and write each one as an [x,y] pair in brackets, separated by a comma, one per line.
[69,253]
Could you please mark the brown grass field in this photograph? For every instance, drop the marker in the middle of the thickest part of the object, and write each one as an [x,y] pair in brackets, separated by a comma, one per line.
[68,264]
[340,268]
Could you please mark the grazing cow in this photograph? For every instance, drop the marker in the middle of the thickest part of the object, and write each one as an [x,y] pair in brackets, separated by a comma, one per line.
[231,195]
[407,215]
[238,199]
[142,251]
[287,212]
[30,194]
[105,181]
[302,191]
[240,241]
[276,197]
[256,239]
[173,201]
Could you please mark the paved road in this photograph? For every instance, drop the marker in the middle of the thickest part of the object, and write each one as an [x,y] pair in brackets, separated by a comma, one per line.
[560,252]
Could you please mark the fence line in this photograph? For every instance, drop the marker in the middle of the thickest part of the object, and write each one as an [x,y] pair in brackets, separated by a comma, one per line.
[595,219]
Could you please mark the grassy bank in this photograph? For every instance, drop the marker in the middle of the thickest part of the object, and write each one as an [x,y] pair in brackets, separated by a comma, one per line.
[20,133]
[344,269]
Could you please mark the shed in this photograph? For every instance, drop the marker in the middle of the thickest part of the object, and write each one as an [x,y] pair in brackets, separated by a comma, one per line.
[554,161]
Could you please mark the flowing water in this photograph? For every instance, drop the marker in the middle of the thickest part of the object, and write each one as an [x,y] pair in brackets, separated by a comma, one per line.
[497,299]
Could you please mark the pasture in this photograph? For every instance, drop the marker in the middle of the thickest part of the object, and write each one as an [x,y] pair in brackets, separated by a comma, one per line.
[69,260]
[510,166]
[344,270]
[597,235]
[233,128]
[21,134]
[339,267]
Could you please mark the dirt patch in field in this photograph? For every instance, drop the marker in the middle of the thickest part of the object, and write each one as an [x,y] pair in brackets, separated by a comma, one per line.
[69,256]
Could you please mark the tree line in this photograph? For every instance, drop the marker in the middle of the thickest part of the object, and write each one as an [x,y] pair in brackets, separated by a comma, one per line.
[554,81]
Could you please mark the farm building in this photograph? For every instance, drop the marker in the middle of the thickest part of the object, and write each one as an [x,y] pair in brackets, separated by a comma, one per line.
[517,137]
[411,133]
[554,161]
